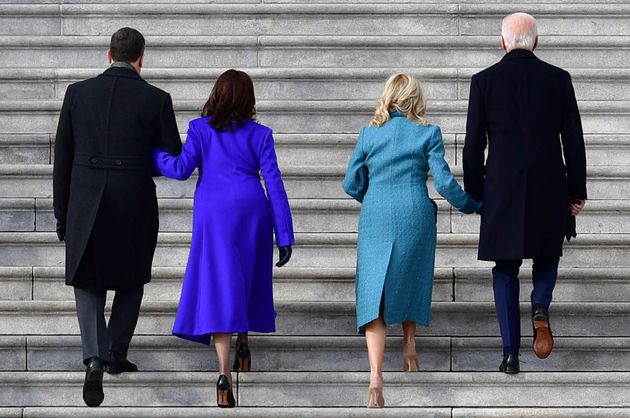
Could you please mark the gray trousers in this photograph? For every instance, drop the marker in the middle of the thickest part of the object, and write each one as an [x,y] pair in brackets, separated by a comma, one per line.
[99,338]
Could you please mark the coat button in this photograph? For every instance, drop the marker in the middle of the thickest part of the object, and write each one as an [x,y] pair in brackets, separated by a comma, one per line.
[119,162]
[94,160]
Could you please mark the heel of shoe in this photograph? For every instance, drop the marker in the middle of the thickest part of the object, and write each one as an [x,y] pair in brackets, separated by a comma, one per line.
[411,364]
[543,339]
[225,396]
[375,398]
[242,359]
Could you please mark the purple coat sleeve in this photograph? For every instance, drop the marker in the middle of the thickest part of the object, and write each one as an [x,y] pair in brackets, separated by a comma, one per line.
[277,195]
[180,167]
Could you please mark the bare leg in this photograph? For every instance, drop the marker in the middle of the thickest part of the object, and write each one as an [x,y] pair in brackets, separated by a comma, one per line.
[375,335]
[410,357]
[222,343]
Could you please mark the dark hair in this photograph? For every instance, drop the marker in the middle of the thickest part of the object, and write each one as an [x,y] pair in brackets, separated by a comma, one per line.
[231,102]
[126,45]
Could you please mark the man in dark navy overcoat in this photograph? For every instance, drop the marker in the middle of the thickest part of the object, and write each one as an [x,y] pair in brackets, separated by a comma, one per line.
[105,202]
[524,112]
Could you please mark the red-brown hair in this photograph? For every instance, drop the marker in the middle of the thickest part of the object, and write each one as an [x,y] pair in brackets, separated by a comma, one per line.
[231,102]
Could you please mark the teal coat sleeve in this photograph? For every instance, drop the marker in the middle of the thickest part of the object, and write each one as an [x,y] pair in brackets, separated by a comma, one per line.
[356,181]
[443,180]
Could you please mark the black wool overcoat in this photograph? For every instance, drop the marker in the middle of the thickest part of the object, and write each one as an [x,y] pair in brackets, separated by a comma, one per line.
[103,188]
[525,112]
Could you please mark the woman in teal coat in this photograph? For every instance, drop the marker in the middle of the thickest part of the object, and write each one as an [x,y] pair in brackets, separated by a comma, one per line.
[397,226]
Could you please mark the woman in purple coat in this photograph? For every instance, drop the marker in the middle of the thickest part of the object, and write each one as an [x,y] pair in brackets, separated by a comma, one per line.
[227,285]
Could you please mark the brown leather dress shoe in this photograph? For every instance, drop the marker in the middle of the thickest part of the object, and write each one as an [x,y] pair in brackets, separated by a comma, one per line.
[543,338]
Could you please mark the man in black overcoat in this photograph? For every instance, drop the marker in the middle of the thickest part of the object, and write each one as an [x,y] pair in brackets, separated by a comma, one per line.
[525,112]
[105,201]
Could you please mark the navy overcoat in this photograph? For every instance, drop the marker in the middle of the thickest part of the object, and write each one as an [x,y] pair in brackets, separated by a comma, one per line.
[524,111]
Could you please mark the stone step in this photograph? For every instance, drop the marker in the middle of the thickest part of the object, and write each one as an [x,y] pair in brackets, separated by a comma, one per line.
[598,117]
[437,389]
[314,412]
[346,353]
[478,319]
[300,83]
[251,412]
[359,51]
[285,19]
[41,249]
[301,182]
[311,215]
[314,149]
[326,389]
[598,284]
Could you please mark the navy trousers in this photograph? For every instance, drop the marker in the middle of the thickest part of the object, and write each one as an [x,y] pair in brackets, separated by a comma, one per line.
[505,284]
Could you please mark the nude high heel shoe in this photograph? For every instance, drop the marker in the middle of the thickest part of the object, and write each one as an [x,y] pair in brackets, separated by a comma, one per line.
[410,358]
[375,398]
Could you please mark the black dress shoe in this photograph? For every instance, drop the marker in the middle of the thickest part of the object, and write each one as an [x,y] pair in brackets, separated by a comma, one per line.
[118,364]
[510,364]
[225,396]
[93,385]
[543,338]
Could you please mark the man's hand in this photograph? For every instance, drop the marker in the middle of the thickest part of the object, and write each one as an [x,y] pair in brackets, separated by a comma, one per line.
[61,230]
[285,255]
[576,208]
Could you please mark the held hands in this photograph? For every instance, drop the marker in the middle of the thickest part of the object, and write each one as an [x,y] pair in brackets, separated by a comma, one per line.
[61,230]
[285,255]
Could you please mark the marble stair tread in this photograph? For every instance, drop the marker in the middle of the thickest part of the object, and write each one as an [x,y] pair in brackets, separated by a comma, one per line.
[315,353]
[326,389]
[312,412]
[250,412]
[588,284]
[317,250]
[570,319]
[302,182]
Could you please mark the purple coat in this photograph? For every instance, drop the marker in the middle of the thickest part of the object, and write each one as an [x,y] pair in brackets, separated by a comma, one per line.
[227,286]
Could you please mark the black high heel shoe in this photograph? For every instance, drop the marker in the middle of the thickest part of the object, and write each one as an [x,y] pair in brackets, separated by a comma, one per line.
[242,359]
[225,396]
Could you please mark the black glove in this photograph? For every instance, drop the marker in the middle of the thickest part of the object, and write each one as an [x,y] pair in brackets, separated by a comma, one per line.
[61,230]
[285,255]
[571,232]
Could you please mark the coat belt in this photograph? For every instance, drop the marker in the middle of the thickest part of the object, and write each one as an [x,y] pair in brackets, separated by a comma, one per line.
[112,163]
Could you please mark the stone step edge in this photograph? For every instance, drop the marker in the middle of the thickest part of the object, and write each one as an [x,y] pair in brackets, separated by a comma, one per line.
[36,307]
[321,141]
[322,239]
[331,206]
[311,171]
[330,343]
[314,412]
[548,42]
[579,274]
[289,73]
[455,106]
[350,8]
[347,378]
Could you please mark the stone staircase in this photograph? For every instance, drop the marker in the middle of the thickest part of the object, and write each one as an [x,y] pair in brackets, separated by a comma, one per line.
[318,66]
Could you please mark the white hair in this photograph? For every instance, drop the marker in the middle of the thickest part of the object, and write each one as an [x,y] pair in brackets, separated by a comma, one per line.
[519,31]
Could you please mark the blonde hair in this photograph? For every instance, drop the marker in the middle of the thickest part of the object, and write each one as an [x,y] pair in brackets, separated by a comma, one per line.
[402,92]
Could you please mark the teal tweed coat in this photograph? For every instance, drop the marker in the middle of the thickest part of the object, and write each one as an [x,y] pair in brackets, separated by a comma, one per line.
[387,173]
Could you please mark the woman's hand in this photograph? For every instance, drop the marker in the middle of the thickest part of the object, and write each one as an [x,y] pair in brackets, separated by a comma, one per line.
[285,255]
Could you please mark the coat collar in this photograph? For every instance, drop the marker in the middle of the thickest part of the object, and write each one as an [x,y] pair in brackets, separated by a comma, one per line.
[396,114]
[518,53]
[121,72]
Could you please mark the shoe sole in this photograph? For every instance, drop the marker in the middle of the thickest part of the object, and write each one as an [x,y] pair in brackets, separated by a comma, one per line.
[93,388]
[543,343]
